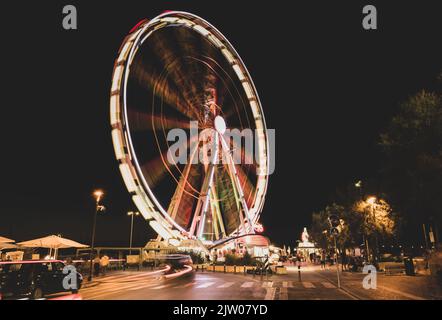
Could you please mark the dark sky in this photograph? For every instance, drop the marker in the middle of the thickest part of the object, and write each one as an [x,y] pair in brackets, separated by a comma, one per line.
[327,86]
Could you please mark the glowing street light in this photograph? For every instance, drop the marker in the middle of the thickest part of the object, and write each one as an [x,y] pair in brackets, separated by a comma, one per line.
[371,201]
[98,194]
[358,186]
[131,214]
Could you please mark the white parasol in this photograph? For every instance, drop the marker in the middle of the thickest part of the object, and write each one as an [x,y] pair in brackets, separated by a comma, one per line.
[52,242]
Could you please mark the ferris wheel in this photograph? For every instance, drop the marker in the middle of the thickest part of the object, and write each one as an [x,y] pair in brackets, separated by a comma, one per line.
[177,71]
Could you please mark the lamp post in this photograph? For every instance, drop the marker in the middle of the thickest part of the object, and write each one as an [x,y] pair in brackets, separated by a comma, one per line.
[131,214]
[358,185]
[372,202]
[98,194]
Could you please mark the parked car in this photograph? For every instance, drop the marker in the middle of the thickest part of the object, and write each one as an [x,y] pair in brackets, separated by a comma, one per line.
[33,278]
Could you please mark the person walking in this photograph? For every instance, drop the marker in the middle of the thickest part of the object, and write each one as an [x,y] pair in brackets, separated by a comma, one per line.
[104,263]
[323,257]
[96,264]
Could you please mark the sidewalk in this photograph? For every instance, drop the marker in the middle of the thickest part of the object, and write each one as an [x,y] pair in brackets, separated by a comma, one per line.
[389,287]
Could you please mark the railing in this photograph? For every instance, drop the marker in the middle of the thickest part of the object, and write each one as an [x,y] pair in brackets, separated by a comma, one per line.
[255,270]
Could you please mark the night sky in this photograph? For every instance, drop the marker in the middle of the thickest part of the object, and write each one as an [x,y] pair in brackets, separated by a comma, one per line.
[327,86]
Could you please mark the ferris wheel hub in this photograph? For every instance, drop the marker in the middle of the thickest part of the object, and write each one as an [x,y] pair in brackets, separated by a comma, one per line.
[220,124]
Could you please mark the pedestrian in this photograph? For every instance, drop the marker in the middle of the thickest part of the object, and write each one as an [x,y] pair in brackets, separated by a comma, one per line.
[96,265]
[353,264]
[344,261]
[104,263]
[323,257]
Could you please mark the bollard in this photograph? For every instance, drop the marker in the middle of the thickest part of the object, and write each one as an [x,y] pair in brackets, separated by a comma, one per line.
[224,268]
[299,272]
[245,271]
[213,269]
[234,269]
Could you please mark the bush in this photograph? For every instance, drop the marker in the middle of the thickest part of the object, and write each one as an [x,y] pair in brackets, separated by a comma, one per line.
[234,260]
[248,260]
[231,259]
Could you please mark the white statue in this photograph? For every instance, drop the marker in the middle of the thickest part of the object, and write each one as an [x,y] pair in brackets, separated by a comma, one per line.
[305,237]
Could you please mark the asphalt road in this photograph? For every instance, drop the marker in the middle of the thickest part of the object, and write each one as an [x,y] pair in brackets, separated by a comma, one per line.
[214,286]
[315,284]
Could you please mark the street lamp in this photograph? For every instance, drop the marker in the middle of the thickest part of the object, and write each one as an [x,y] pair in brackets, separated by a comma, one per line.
[372,202]
[358,186]
[98,194]
[131,214]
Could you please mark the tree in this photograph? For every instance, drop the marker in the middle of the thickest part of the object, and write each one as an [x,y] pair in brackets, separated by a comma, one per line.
[412,145]
[321,227]
[377,216]
[359,219]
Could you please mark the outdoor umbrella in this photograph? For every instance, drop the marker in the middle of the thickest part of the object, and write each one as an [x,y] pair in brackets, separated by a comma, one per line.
[52,242]
[4,245]
[6,240]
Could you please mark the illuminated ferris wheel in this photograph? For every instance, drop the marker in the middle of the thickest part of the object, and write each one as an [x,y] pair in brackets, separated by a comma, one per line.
[177,71]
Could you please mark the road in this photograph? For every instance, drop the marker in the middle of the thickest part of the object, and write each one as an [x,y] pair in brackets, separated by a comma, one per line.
[212,286]
[315,284]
